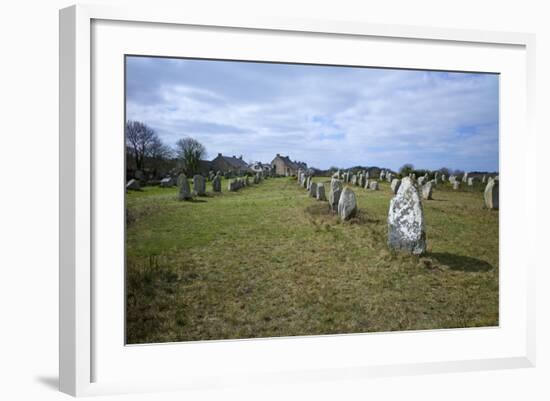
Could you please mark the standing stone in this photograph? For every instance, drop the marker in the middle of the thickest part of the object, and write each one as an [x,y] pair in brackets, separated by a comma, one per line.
[313,190]
[465,177]
[443,177]
[452,179]
[456,185]
[217,184]
[491,194]
[484,179]
[308,187]
[199,186]
[366,175]
[471,181]
[321,192]
[374,185]
[406,230]
[427,190]
[334,194]
[389,177]
[395,183]
[367,183]
[382,174]
[353,179]
[184,191]
[133,185]
[421,181]
[347,205]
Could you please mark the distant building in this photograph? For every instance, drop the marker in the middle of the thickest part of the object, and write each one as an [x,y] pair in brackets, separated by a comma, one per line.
[286,167]
[227,164]
[259,166]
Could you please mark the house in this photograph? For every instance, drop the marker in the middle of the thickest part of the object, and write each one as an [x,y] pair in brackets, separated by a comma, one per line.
[261,167]
[227,164]
[282,165]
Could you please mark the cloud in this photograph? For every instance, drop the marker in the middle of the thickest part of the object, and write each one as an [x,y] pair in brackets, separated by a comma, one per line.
[325,116]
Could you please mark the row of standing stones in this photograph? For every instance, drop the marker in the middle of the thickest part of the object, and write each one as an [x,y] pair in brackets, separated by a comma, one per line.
[406,227]
[199,184]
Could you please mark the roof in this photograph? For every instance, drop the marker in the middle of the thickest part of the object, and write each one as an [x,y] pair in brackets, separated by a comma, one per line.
[233,161]
[289,163]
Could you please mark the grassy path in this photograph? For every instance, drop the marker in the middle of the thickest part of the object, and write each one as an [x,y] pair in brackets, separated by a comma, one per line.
[270,261]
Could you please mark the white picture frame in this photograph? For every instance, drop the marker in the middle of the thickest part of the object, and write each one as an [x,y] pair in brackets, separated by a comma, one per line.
[80,348]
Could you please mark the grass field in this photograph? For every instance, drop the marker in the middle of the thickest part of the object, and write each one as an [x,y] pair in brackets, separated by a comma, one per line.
[270,261]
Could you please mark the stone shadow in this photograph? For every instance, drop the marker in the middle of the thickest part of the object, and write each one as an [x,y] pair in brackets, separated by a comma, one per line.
[460,262]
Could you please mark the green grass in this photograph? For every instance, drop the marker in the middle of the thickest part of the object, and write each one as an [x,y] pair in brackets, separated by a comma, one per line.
[270,261]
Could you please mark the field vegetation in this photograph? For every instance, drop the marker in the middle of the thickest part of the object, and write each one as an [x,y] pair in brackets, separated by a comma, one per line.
[270,261]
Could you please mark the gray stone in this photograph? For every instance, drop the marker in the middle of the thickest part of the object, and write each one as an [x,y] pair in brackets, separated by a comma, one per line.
[374,185]
[389,177]
[427,190]
[321,192]
[406,231]
[421,181]
[382,174]
[347,205]
[217,184]
[443,178]
[133,185]
[456,185]
[334,194]
[471,181]
[167,182]
[395,183]
[184,191]
[199,185]
[491,194]
[367,183]
[308,185]
[353,180]
[465,177]
[313,190]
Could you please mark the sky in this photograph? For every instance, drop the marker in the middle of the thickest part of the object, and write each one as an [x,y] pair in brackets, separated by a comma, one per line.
[322,115]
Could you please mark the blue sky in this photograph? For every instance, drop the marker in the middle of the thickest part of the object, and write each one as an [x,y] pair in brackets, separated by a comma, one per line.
[322,115]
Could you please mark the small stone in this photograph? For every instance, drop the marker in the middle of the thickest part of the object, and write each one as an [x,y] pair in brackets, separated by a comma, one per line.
[374,185]
[427,190]
[395,183]
[133,185]
[321,192]
[184,191]
[491,194]
[347,205]
[313,190]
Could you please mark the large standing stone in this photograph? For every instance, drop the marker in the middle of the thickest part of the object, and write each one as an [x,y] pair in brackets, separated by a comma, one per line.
[133,185]
[395,183]
[321,192]
[491,194]
[184,191]
[199,186]
[347,205]
[313,190]
[406,230]
[427,190]
[217,184]
[367,183]
[334,194]
[374,185]
[308,186]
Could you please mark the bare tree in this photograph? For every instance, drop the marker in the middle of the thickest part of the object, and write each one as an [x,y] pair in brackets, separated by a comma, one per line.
[190,152]
[140,140]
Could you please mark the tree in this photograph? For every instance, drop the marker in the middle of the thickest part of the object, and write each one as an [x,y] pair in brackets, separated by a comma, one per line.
[406,169]
[140,141]
[190,152]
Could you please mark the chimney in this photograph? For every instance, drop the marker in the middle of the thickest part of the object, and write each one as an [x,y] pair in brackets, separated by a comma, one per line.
[278,155]
[219,155]
[241,157]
